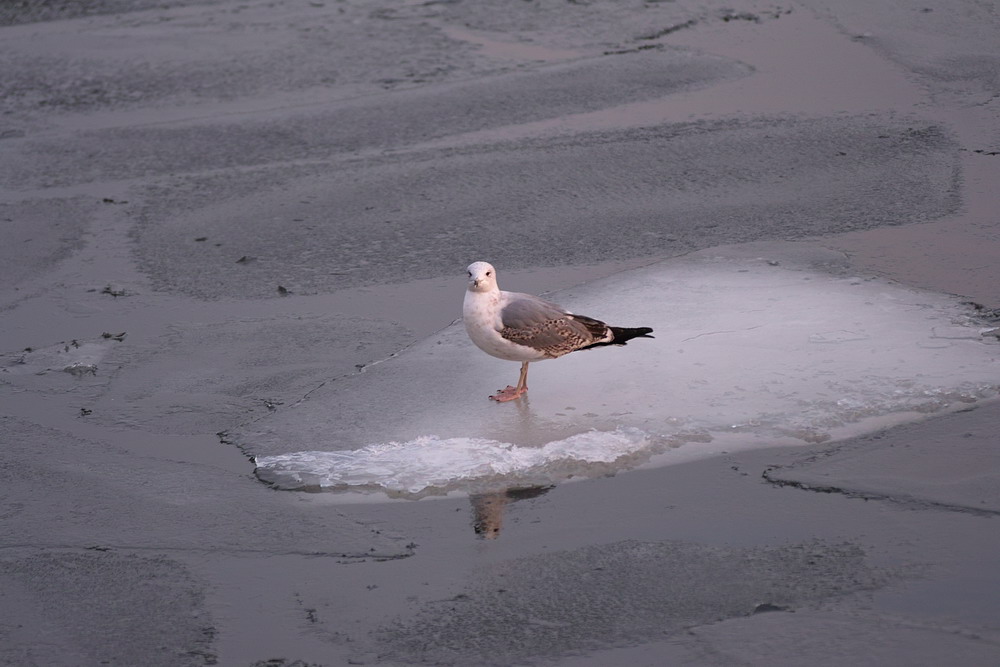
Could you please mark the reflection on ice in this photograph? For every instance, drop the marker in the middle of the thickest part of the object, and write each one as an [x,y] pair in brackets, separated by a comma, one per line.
[756,345]
[488,508]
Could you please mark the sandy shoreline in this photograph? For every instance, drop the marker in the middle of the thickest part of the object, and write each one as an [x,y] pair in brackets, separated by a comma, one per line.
[254,201]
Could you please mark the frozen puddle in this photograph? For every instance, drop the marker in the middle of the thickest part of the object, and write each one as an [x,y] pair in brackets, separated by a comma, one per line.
[756,345]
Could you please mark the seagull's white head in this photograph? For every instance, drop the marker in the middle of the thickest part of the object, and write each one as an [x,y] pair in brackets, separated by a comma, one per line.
[482,277]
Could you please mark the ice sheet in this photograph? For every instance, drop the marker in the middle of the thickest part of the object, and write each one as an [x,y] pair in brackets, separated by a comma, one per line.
[430,464]
[756,345]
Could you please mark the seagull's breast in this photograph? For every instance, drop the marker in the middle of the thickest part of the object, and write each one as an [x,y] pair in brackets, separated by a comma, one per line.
[481,315]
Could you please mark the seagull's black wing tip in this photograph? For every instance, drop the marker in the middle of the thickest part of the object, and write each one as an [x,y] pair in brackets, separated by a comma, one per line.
[623,335]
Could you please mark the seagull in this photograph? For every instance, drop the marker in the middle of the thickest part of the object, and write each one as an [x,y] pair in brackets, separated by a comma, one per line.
[526,328]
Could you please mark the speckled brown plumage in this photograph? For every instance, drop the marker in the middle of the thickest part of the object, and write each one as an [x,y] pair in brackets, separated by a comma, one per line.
[558,335]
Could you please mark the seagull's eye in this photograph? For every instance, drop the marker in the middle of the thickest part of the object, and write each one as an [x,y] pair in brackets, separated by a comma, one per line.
[489,273]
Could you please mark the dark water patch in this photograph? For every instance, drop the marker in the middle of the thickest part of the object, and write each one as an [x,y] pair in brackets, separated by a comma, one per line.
[104,607]
[619,594]
[658,191]
[374,121]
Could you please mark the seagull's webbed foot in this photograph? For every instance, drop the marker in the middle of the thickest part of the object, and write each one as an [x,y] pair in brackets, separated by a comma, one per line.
[508,394]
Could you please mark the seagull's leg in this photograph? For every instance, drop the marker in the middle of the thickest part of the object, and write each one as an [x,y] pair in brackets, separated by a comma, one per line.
[510,393]
[522,381]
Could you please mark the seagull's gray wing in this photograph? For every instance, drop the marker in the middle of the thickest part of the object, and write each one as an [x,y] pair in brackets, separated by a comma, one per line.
[539,324]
